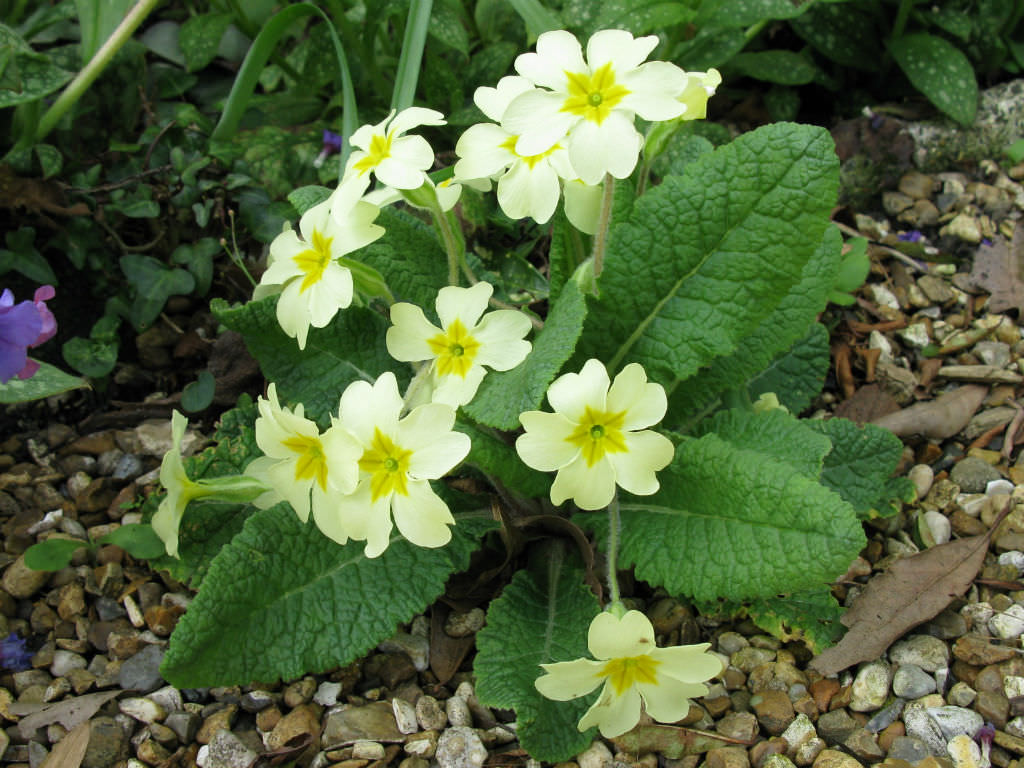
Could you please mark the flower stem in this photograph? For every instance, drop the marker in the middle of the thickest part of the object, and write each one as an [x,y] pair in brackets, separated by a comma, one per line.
[603,222]
[91,71]
[451,245]
[614,526]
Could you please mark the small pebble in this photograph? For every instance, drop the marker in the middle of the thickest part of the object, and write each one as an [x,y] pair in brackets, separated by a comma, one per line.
[912,682]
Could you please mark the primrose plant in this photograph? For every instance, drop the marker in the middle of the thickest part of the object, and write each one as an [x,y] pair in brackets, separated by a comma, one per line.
[404,410]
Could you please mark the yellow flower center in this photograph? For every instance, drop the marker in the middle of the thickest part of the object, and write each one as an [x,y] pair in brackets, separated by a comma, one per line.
[598,433]
[624,673]
[455,349]
[314,260]
[387,464]
[594,96]
[312,463]
[530,160]
[380,148]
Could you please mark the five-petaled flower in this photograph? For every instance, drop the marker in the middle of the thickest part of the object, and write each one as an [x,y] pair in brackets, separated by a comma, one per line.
[23,325]
[397,459]
[634,671]
[591,104]
[597,438]
[306,271]
[302,466]
[396,160]
[464,343]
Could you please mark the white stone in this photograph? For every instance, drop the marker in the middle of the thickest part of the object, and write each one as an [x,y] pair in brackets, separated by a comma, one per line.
[167,697]
[922,476]
[1016,727]
[880,342]
[65,661]
[1014,558]
[999,486]
[799,732]
[1013,686]
[883,296]
[142,709]
[327,694]
[915,335]
[1009,624]
[938,525]
[597,755]
[955,720]
[458,712]
[405,716]
[870,687]
[460,747]
[973,504]
[964,751]
[368,750]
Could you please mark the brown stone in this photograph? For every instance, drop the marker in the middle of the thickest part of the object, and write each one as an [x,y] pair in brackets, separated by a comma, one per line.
[760,752]
[978,650]
[302,720]
[267,719]
[96,496]
[20,581]
[831,758]
[152,753]
[965,525]
[300,692]
[741,726]
[71,601]
[221,720]
[163,620]
[842,698]
[123,644]
[864,745]
[993,706]
[727,757]
[990,678]
[890,734]
[717,706]
[1010,742]
[94,444]
[823,690]
[774,710]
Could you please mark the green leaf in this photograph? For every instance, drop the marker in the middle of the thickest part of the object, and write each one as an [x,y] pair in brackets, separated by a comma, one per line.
[97,20]
[940,71]
[498,459]
[764,348]
[48,380]
[282,600]
[774,433]
[743,13]
[860,467]
[351,347]
[410,258]
[200,37]
[24,74]
[503,395]
[307,197]
[50,159]
[154,282]
[703,258]
[24,258]
[735,523]
[842,32]
[198,259]
[52,554]
[137,539]
[197,395]
[207,526]
[710,47]
[784,67]
[542,616]
[446,27]
[136,208]
[641,16]
[537,17]
[94,358]
[796,375]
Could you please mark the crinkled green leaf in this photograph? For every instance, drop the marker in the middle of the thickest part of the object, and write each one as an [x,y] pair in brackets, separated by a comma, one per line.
[779,66]
[498,459]
[282,600]
[796,375]
[208,526]
[503,395]
[91,357]
[349,348]
[777,331]
[48,380]
[842,32]
[153,283]
[735,523]
[703,258]
[860,467]
[940,71]
[774,433]
[410,258]
[542,616]
[306,197]
[200,37]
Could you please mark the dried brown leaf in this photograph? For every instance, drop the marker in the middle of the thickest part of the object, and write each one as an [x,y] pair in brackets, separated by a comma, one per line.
[68,713]
[446,652]
[999,269]
[671,741]
[912,591]
[937,419]
[70,750]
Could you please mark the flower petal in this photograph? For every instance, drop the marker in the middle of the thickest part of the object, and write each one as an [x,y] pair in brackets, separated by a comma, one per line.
[613,715]
[455,390]
[526,191]
[500,334]
[494,101]
[688,663]
[398,174]
[611,147]
[644,403]
[296,492]
[619,48]
[558,52]
[611,637]
[406,339]
[466,304]
[365,407]
[571,393]
[589,487]
[422,517]
[545,444]
[481,151]
[536,117]
[654,91]
[646,453]
[567,680]
[413,117]
[440,456]
[327,515]
[668,700]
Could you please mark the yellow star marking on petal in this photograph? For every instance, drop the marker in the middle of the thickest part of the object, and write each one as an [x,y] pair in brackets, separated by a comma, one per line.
[312,463]
[530,160]
[455,349]
[314,260]
[380,147]
[387,464]
[593,96]
[624,673]
[598,433]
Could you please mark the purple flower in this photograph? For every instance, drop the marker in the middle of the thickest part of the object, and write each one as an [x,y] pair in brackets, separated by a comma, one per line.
[913,236]
[986,241]
[13,653]
[23,325]
[331,145]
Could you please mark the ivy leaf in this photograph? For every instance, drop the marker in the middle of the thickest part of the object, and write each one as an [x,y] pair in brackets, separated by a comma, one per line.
[702,259]
[744,523]
[351,347]
[861,465]
[541,617]
[940,71]
[153,283]
[776,332]
[282,600]
[208,526]
[503,395]
[409,257]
